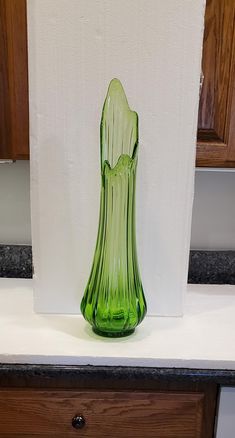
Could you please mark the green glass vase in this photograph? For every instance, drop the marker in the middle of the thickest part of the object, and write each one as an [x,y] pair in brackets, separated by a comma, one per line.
[114,302]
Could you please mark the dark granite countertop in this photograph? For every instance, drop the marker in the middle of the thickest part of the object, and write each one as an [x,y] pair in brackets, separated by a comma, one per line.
[16,261]
[205,267]
[86,376]
[212,267]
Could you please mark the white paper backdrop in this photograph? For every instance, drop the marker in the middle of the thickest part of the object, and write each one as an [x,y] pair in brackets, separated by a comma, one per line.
[75,48]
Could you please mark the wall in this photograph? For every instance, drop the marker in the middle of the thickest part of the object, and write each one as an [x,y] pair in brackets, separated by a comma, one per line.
[15,203]
[213,222]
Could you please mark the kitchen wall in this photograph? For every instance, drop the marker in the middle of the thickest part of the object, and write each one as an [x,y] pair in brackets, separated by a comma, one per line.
[213,224]
[15,203]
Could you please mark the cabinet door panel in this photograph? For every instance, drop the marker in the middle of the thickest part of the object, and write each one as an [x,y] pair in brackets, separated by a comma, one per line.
[216,137]
[14,114]
[107,414]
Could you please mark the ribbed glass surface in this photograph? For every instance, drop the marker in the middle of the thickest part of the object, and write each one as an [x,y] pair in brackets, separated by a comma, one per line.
[114,301]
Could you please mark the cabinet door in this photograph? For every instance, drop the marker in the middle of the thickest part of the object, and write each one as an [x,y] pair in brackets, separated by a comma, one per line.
[136,414]
[14,113]
[216,122]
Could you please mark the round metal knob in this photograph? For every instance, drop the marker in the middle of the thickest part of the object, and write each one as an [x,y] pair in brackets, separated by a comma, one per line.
[78,422]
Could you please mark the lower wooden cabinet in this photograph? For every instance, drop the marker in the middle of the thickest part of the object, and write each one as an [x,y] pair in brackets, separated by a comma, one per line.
[100,414]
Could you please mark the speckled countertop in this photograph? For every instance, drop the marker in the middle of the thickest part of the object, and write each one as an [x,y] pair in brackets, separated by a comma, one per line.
[15,261]
[205,267]
[212,267]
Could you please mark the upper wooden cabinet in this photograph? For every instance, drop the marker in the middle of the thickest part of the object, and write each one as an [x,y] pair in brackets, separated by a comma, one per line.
[14,113]
[216,122]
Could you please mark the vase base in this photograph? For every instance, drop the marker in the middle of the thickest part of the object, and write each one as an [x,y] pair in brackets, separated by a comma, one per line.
[113,334]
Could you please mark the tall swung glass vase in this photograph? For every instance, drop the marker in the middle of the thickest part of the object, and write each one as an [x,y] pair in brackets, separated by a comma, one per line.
[114,302]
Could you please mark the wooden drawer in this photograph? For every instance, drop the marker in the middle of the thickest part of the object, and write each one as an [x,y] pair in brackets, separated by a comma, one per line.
[37,413]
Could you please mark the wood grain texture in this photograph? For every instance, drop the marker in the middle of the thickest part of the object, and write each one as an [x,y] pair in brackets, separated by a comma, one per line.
[140,379]
[215,140]
[14,119]
[230,126]
[5,143]
[107,413]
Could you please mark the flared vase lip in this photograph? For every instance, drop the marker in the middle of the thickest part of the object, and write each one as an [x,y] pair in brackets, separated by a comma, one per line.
[116,101]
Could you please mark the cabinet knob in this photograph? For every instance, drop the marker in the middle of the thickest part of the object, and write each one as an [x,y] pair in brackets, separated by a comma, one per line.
[78,422]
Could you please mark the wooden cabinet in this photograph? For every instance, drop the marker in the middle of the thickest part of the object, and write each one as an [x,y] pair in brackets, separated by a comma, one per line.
[116,414]
[114,401]
[216,122]
[14,113]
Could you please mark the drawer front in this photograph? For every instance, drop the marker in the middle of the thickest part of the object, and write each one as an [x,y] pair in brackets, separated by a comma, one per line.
[28,413]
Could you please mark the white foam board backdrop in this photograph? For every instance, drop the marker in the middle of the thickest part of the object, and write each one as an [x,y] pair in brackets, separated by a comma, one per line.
[75,48]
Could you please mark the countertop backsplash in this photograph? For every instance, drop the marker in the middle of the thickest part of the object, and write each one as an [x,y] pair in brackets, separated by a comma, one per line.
[16,261]
[205,267]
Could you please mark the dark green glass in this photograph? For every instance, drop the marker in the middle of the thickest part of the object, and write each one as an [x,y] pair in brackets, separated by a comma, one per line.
[114,302]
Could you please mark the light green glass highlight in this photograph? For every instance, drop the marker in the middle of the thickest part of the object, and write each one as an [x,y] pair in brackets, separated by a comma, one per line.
[114,302]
